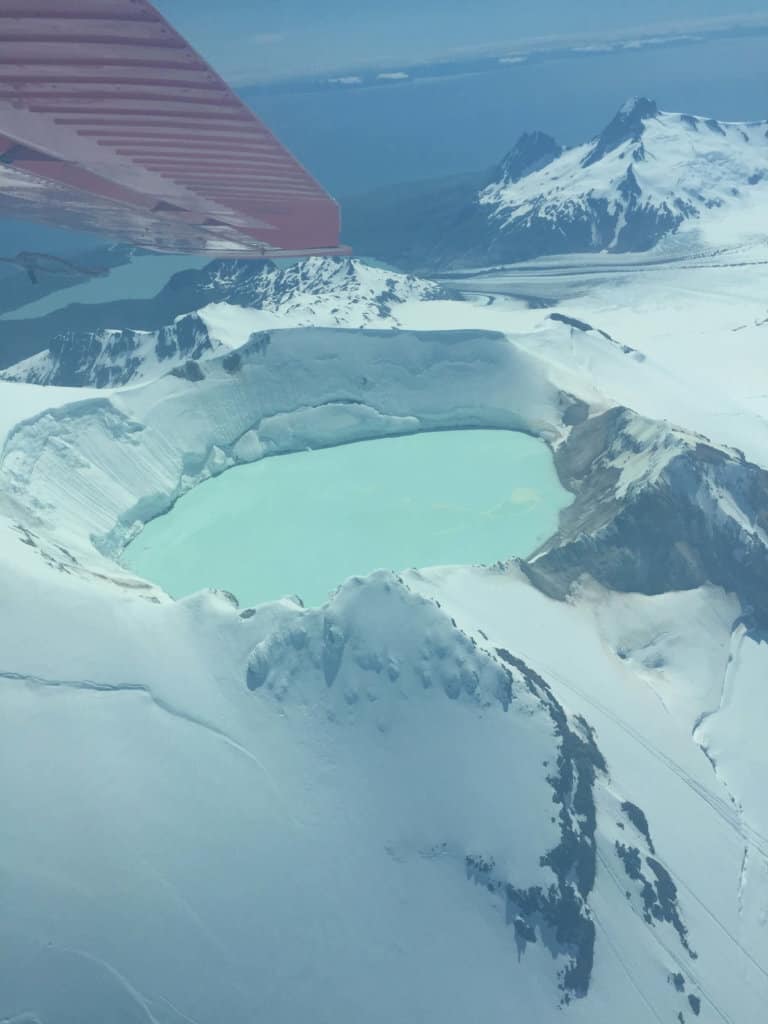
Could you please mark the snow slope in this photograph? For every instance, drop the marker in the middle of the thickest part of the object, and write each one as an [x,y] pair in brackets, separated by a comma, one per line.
[213,842]
[676,338]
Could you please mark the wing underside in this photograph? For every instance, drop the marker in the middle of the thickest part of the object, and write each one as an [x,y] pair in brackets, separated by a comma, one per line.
[111,122]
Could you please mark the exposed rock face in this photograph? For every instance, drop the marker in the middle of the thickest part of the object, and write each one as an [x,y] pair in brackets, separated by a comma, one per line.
[531,152]
[559,913]
[111,358]
[626,127]
[708,508]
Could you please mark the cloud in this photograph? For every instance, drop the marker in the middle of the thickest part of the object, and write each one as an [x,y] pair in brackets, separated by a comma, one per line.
[346,80]
[594,48]
[637,44]
[656,34]
[461,61]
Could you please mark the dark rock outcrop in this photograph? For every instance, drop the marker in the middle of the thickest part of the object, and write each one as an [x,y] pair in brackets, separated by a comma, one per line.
[627,126]
[531,152]
[690,514]
[111,358]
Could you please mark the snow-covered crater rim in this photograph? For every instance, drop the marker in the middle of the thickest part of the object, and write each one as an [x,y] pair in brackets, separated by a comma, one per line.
[89,475]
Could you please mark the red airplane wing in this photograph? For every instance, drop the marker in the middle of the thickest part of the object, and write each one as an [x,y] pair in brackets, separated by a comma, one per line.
[109,121]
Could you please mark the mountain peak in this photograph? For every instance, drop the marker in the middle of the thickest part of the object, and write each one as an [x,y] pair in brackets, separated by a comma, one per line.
[627,126]
[645,176]
[531,152]
[638,107]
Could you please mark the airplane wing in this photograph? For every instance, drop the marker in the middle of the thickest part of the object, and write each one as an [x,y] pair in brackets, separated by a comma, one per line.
[111,122]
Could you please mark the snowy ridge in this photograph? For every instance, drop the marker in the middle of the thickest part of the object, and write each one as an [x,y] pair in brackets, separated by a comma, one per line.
[556,913]
[103,359]
[325,292]
[319,289]
[707,505]
[645,176]
[116,461]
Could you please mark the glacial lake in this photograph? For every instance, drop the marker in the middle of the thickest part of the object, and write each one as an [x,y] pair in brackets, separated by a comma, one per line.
[303,523]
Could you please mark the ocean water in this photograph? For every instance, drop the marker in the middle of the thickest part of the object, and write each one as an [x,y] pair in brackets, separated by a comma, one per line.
[303,523]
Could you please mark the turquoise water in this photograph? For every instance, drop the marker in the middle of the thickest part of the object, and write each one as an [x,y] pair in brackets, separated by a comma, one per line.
[140,279]
[303,523]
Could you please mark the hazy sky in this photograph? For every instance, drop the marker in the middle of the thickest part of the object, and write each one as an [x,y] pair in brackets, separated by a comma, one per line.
[250,40]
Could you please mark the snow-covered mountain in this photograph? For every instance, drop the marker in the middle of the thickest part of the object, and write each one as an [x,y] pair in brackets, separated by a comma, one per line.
[320,290]
[328,292]
[110,358]
[531,788]
[648,176]
[644,177]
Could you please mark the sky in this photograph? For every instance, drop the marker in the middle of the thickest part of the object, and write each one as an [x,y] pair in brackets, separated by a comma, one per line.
[252,41]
